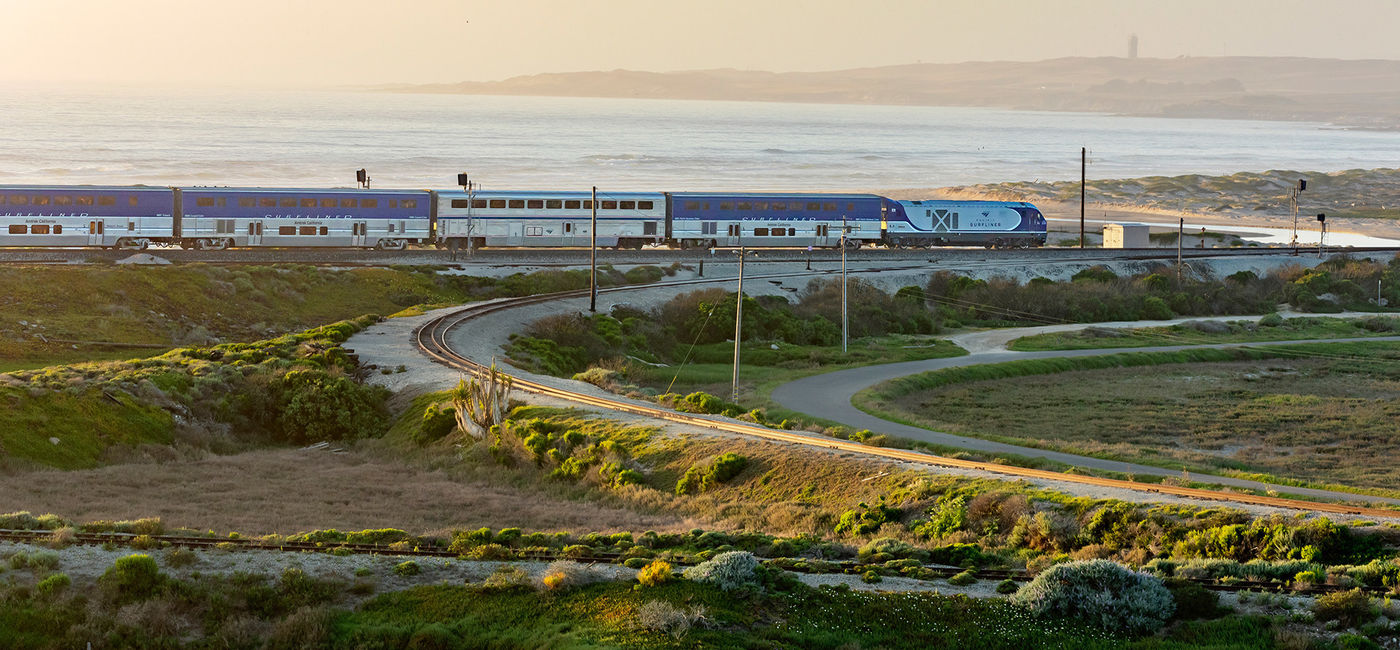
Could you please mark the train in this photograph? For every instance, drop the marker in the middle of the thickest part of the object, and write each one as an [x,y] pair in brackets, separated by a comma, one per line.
[219,218]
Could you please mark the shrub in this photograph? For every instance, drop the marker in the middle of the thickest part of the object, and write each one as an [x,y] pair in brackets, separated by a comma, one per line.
[658,572]
[691,482]
[491,552]
[726,467]
[307,627]
[1007,587]
[1193,600]
[144,543]
[728,571]
[1348,608]
[507,576]
[1101,593]
[1271,319]
[438,421]
[962,579]
[661,616]
[318,405]
[131,578]
[865,519]
[563,574]
[407,569]
[63,537]
[885,549]
[52,585]
[177,558]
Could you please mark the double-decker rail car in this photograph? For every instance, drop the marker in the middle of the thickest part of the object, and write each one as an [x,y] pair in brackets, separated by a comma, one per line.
[525,218]
[708,219]
[85,215]
[224,217]
[993,224]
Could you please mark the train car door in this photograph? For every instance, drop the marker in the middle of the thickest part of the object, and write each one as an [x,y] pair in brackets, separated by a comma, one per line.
[517,234]
[96,234]
[571,232]
[823,235]
[359,233]
[734,234]
[255,231]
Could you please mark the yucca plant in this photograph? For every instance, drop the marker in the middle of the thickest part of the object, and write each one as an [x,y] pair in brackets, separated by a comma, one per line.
[482,400]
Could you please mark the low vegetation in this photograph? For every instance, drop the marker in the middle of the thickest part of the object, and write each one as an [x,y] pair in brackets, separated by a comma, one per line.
[1318,413]
[1272,327]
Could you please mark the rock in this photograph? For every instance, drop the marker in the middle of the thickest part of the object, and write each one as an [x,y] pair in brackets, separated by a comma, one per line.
[53,441]
[773,346]
[145,259]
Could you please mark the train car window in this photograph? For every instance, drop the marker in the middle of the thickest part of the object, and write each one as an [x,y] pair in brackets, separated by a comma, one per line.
[328,203]
[828,207]
[628,205]
[517,203]
[792,232]
[814,207]
[204,201]
[733,230]
[286,230]
[535,204]
[58,229]
[79,200]
[41,200]
[101,200]
[850,207]
[745,206]
[461,203]
[608,205]
[588,205]
[132,200]
[308,230]
[63,200]
[24,200]
[39,229]
[760,232]
[553,204]
[692,205]
[287,202]
[498,203]
[644,205]
[267,202]
[324,230]
[649,228]
[130,226]
[247,202]
[409,203]
[350,203]
[478,203]
[572,205]
[725,205]
[2,199]
[393,203]
[760,205]
[18,229]
[308,203]
[391,226]
[369,203]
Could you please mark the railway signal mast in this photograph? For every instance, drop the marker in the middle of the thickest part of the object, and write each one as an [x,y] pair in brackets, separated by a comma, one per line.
[1293,206]
[466,182]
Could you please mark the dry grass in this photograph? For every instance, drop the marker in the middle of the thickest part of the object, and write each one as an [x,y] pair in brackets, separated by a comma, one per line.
[286,491]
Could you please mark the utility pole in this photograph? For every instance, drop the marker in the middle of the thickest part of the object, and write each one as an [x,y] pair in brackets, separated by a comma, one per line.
[738,327]
[845,323]
[1180,234]
[1293,208]
[1083,174]
[466,182]
[593,256]
[1321,235]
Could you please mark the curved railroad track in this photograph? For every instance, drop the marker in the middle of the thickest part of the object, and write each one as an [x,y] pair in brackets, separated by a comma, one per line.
[432,338]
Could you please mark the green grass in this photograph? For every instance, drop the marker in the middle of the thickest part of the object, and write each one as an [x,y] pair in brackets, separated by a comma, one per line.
[85,425]
[1316,415]
[1292,329]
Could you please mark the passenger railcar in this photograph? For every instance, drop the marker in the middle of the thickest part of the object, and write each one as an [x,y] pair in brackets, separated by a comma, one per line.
[707,219]
[523,218]
[223,217]
[993,224]
[85,215]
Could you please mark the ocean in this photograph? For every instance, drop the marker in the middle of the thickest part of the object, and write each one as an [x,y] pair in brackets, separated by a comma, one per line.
[319,139]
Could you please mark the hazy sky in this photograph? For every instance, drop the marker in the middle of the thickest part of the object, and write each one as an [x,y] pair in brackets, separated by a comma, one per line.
[326,42]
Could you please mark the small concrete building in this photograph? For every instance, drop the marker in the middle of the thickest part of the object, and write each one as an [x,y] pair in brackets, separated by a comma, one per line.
[1125,235]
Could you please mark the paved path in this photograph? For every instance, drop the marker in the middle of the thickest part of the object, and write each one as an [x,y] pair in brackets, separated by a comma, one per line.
[828,396]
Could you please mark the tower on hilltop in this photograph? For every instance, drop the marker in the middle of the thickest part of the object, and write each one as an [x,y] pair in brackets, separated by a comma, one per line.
[1132,46]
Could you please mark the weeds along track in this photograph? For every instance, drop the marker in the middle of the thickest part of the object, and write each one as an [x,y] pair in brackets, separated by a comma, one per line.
[432,339]
[573,257]
[856,568]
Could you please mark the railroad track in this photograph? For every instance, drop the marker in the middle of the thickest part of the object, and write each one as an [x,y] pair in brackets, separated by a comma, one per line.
[432,339]
[147,542]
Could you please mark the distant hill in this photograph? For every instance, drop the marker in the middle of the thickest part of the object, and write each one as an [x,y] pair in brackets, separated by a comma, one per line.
[1353,93]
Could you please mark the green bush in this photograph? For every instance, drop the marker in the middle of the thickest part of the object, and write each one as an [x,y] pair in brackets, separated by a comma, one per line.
[728,571]
[1007,587]
[870,577]
[438,421]
[407,569]
[1193,600]
[314,405]
[962,579]
[655,573]
[865,519]
[1348,608]
[691,482]
[1101,593]
[53,585]
[132,578]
